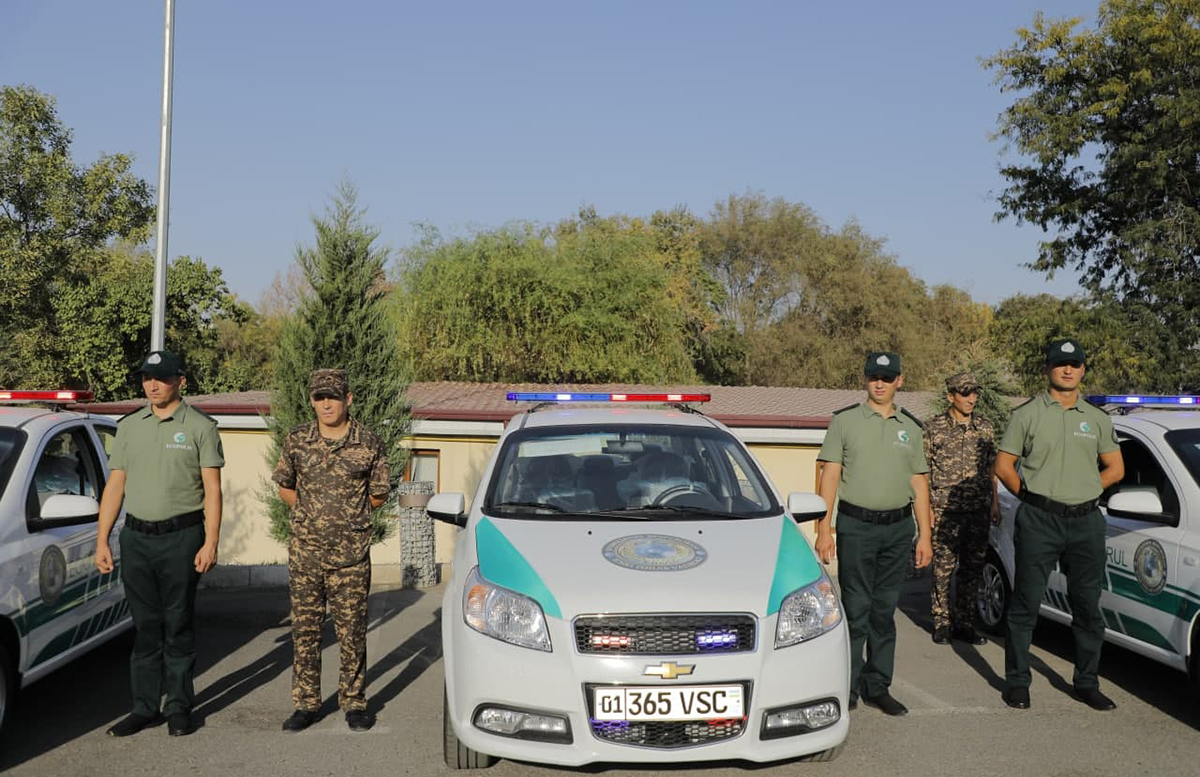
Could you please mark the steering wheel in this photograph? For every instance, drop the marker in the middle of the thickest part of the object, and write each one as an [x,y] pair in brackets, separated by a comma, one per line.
[676,493]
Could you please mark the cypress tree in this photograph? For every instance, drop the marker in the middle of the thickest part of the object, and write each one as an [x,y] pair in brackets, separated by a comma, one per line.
[342,322]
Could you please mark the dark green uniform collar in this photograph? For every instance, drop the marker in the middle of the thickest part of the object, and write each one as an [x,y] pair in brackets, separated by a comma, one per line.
[867,411]
[179,413]
[1048,400]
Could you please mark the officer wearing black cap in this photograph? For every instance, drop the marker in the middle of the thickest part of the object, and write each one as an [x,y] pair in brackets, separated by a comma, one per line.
[1058,438]
[166,469]
[874,465]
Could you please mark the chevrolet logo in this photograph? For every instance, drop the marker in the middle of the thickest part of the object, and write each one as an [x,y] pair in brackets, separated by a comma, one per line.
[669,670]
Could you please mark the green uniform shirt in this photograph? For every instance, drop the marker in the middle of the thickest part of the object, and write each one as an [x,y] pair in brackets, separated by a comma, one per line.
[1058,447]
[162,460]
[878,455]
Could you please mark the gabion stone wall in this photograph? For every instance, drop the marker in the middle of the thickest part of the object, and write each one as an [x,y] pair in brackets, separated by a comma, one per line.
[418,559]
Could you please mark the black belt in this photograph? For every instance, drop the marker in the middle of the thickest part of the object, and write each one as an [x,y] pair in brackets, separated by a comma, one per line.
[1058,508]
[875,516]
[176,523]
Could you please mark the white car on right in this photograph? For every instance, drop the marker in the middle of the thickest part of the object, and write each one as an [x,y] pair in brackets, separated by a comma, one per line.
[1151,596]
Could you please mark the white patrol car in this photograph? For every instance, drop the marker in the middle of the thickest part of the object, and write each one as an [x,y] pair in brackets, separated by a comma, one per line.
[1151,596]
[627,587]
[54,605]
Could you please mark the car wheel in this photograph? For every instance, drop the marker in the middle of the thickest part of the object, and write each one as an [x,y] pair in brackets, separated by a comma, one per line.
[456,754]
[994,594]
[7,685]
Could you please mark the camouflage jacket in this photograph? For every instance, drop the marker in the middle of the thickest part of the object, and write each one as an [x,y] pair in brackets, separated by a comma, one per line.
[960,460]
[332,514]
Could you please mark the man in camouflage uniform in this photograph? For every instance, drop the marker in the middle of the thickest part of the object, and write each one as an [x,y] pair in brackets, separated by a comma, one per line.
[960,448]
[332,472]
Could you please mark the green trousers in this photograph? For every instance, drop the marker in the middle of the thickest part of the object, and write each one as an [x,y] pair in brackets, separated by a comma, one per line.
[1041,540]
[872,564]
[160,585]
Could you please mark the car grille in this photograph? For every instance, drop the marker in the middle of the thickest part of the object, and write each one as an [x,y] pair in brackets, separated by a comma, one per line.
[667,734]
[665,635]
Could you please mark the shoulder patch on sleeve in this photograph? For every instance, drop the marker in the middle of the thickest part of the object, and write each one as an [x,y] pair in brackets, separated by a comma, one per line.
[915,420]
[847,407]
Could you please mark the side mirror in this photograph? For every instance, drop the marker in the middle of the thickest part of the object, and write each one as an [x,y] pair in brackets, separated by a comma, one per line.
[805,506]
[1136,503]
[65,510]
[450,507]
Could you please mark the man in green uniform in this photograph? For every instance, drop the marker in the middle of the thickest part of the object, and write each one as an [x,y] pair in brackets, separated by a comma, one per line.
[874,466]
[166,468]
[1058,439]
[332,472]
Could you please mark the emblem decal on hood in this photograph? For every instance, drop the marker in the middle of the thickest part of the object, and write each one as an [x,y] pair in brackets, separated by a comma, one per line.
[655,553]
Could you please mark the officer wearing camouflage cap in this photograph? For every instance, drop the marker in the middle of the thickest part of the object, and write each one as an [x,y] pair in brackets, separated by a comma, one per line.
[874,467]
[1058,439]
[960,447]
[332,472]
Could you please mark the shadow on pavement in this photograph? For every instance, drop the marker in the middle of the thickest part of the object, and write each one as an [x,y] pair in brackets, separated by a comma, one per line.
[93,692]
[1157,685]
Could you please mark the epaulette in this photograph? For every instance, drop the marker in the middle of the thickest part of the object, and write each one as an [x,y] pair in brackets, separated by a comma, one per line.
[137,409]
[1023,404]
[847,407]
[201,412]
[915,420]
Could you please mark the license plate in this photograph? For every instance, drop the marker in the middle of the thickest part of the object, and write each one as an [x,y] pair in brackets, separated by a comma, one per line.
[683,702]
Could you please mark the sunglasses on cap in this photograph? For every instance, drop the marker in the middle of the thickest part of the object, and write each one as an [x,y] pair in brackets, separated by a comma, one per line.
[884,378]
[966,392]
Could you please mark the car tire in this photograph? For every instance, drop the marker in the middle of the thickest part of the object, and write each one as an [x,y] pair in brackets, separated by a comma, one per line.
[456,754]
[1194,661]
[8,686]
[995,592]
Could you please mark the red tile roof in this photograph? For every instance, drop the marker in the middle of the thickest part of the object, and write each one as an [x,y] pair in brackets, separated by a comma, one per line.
[763,406]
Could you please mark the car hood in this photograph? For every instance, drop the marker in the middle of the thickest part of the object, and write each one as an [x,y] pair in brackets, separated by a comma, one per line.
[574,567]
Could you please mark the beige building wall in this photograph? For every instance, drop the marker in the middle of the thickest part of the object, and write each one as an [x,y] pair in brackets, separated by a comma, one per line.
[245,527]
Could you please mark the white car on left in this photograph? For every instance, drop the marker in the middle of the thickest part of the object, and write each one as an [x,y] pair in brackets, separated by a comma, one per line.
[54,605]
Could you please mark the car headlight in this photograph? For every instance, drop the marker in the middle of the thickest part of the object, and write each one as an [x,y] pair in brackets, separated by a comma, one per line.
[503,614]
[807,613]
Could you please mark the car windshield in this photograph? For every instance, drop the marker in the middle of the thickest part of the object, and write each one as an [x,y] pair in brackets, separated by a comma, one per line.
[1186,443]
[11,441]
[633,472]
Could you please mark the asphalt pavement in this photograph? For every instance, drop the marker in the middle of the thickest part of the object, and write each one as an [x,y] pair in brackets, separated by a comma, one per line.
[957,725]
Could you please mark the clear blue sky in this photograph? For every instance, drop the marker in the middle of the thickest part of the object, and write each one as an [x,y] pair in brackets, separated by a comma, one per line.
[470,115]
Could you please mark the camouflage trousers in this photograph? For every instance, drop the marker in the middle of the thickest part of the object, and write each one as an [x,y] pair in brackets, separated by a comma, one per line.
[960,539]
[344,590]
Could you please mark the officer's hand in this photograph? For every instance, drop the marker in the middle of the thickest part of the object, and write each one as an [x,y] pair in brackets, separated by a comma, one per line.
[206,559]
[104,560]
[924,552]
[996,516]
[825,547]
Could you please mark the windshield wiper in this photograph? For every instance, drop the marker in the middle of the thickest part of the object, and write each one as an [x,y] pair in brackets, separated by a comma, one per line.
[631,512]
[535,505]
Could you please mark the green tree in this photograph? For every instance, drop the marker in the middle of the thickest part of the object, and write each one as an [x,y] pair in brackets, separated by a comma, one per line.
[1105,124]
[1121,341]
[56,218]
[343,321]
[589,300]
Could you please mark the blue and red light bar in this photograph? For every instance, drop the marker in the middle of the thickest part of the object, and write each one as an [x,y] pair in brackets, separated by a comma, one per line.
[1135,400]
[45,396]
[563,396]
